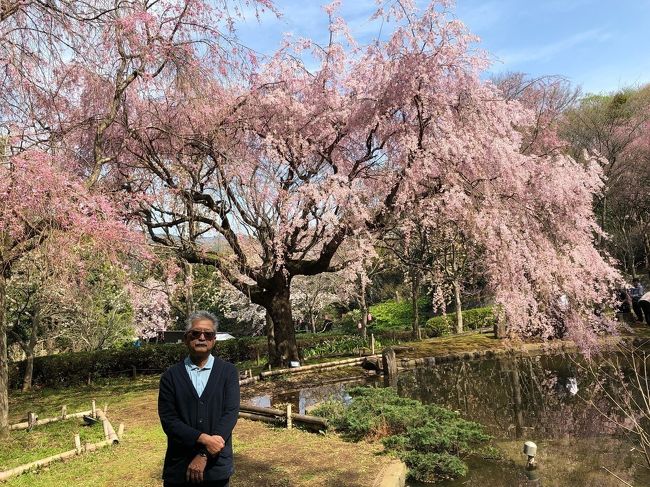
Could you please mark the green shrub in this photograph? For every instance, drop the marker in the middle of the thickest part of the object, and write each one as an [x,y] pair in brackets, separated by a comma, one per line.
[476,318]
[392,337]
[77,368]
[430,439]
[336,345]
[438,326]
[397,315]
[347,323]
[473,319]
[430,467]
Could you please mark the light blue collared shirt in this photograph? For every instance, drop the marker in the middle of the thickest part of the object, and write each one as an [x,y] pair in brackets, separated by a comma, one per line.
[199,376]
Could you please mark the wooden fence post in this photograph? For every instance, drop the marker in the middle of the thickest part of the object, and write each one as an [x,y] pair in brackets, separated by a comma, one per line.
[105,426]
[390,366]
[372,344]
[31,420]
[94,409]
[64,412]
[289,420]
[77,443]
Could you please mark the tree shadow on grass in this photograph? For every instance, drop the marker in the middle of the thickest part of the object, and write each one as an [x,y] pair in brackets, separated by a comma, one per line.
[250,472]
[48,401]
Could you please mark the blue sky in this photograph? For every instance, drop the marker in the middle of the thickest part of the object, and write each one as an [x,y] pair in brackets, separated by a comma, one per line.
[601,45]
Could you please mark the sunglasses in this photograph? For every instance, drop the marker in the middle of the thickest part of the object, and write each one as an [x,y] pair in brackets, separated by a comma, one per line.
[196,334]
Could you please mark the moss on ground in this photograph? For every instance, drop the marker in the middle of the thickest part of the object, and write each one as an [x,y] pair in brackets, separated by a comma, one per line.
[433,347]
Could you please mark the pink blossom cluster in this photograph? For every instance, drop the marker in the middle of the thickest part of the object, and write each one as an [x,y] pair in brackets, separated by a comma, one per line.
[152,309]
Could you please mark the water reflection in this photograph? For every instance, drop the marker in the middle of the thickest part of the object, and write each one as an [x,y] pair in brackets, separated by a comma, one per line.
[548,396]
[552,400]
[304,399]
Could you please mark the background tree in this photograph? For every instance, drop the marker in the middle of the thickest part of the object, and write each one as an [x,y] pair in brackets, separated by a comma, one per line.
[616,128]
[454,262]
[411,244]
[363,279]
[310,297]
[437,257]
[40,300]
[103,311]
[151,308]
[39,199]
[238,314]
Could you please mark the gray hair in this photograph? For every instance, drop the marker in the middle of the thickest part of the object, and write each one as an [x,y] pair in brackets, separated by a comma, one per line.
[202,315]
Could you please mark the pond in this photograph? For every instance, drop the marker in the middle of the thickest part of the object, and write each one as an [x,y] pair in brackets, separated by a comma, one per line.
[551,400]
[302,400]
[555,401]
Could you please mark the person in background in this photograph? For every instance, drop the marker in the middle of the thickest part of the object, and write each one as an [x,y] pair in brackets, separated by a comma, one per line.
[644,304]
[636,292]
[625,301]
[198,405]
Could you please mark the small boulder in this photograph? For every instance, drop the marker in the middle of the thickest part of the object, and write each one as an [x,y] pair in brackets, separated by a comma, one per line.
[372,363]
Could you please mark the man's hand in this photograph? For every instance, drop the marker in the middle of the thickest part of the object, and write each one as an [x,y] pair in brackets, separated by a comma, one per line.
[213,443]
[194,473]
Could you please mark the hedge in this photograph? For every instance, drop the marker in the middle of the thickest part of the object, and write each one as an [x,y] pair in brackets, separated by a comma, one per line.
[77,368]
[473,319]
[397,315]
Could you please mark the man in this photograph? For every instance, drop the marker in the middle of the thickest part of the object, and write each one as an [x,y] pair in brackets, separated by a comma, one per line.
[644,304]
[636,291]
[198,405]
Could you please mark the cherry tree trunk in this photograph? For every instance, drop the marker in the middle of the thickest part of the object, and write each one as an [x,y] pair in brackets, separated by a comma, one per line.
[416,315]
[29,372]
[285,335]
[270,339]
[28,348]
[364,313]
[4,362]
[500,329]
[459,307]
[646,248]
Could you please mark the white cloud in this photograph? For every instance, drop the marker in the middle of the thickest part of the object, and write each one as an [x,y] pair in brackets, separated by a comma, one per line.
[483,17]
[549,51]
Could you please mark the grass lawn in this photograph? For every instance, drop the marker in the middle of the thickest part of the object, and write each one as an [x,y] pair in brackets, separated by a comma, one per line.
[44,441]
[264,456]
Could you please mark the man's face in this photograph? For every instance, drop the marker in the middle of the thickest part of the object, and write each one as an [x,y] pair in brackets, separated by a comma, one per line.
[200,338]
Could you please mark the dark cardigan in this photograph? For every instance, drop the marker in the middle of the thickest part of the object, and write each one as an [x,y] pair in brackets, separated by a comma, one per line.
[184,416]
